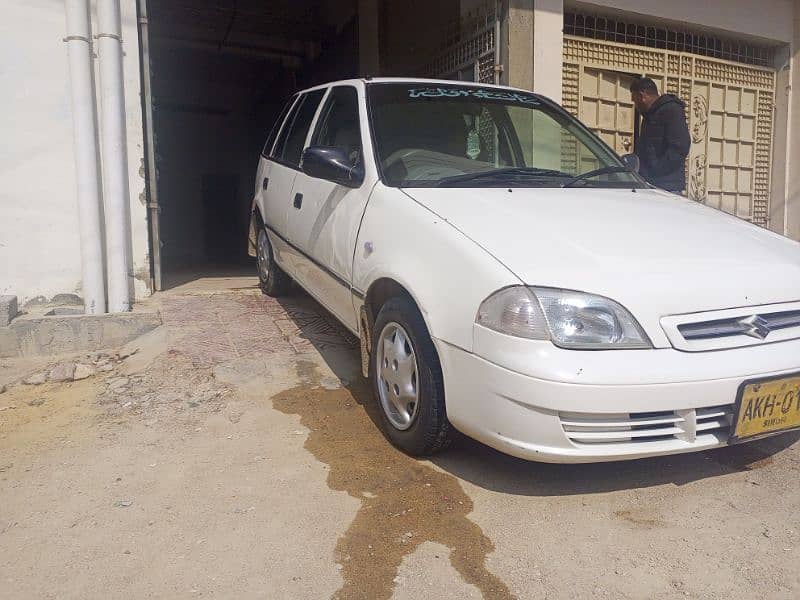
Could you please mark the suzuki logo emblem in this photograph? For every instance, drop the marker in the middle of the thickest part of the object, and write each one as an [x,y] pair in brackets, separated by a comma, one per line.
[755,327]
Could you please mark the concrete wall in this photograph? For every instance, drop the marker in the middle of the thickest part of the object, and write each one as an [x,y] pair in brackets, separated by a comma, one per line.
[781,136]
[548,23]
[767,19]
[39,243]
[516,33]
[792,218]
[140,235]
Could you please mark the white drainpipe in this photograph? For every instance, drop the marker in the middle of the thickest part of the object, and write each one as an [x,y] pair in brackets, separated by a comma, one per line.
[84,113]
[116,193]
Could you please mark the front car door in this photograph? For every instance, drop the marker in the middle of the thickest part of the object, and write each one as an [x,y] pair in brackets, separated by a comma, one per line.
[325,227]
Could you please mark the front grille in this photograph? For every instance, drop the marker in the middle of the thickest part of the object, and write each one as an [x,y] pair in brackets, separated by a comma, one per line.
[758,326]
[643,427]
[733,327]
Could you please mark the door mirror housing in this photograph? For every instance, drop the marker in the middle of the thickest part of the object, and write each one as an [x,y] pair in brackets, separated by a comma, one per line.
[331,164]
[631,161]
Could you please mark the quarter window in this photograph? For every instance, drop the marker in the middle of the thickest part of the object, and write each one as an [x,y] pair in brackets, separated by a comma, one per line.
[338,125]
[277,127]
[277,149]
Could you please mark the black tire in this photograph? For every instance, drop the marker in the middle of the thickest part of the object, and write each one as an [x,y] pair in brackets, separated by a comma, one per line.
[272,280]
[429,431]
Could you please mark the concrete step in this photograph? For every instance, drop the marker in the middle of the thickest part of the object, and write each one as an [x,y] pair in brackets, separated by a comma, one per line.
[39,334]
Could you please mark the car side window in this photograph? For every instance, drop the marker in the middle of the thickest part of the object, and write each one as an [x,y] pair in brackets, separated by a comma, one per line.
[273,134]
[280,143]
[338,124]
[289,151]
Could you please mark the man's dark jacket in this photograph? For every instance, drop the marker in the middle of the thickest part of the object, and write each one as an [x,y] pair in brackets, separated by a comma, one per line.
[663,143]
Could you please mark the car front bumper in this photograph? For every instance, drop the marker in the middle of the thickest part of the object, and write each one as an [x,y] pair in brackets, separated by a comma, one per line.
[575,407]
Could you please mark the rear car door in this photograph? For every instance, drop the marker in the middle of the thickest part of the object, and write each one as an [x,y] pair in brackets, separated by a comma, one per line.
[261,196]
[284,165]
[324,227]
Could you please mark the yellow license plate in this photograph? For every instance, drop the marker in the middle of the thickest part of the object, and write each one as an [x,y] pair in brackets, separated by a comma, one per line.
[767,406]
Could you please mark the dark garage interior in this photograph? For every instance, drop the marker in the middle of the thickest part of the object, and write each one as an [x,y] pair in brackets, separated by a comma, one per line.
[220,72]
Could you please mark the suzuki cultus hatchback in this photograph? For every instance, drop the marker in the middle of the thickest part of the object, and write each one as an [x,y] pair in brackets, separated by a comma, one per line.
[509,276]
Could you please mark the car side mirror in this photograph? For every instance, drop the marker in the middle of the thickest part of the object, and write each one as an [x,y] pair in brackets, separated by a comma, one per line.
[331,164]
[631,161]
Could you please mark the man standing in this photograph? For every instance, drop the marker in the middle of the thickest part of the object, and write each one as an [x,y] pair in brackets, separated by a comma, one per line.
[663,143]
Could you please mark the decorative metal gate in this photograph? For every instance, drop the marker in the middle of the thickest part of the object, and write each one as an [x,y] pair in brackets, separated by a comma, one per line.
[606,107]
[730,108]
[471,50]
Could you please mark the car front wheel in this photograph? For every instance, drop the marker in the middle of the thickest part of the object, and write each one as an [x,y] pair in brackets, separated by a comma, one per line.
[407,380]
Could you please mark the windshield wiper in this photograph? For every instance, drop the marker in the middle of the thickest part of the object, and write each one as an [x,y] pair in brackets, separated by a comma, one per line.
[595,173]
[509,173]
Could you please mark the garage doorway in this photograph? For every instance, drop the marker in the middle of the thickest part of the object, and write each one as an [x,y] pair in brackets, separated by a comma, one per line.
[219,73]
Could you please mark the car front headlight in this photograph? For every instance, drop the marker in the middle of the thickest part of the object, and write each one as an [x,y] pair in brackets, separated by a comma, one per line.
[569,319]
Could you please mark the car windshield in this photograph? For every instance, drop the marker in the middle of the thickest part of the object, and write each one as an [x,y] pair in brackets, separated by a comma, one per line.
[441,135]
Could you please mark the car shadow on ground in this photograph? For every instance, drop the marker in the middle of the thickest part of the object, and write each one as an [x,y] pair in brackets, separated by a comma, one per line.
[487,468]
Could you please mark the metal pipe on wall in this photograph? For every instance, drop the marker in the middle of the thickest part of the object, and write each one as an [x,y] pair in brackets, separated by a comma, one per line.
[84,115]
[116,191]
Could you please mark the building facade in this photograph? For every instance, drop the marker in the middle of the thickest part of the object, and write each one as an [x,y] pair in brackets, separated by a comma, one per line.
[202,80]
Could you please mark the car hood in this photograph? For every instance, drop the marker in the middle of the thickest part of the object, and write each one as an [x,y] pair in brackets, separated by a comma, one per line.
[656,253]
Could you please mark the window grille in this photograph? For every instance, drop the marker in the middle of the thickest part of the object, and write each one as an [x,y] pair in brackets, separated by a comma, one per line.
[680,40]
[469,47]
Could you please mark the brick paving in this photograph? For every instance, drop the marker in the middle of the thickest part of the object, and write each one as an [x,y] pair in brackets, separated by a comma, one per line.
[219,327]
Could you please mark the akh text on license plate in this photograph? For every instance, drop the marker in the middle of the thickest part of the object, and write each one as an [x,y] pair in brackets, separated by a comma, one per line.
[767,406]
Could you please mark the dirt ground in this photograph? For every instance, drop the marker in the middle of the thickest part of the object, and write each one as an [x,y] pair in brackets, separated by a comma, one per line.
[235,454]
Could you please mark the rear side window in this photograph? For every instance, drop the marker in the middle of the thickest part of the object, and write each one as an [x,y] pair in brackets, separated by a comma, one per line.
[277,149]
[277,127]
[338,124]
[289,149]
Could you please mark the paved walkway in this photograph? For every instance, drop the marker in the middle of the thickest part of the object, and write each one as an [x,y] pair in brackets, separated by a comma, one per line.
[219,327]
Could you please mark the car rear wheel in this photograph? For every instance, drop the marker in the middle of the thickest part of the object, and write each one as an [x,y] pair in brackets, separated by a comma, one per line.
[272,279]
[407,380]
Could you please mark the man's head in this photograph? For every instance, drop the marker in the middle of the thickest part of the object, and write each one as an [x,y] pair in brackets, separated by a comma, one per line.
[643,93]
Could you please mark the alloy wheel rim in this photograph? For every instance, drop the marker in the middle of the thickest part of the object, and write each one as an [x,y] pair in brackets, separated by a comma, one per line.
[263,255]
[398,382]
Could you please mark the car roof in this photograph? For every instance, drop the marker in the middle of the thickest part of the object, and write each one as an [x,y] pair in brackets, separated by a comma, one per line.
[371,80]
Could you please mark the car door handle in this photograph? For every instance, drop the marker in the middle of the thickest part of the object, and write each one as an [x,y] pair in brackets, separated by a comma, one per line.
[298,201]
[265,183]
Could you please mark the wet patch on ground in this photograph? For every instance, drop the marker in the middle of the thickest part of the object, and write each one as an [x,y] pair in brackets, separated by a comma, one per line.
[404,502]
[639,518]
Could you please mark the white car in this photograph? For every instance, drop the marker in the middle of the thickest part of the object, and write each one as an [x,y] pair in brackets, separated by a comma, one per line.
[510,277]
